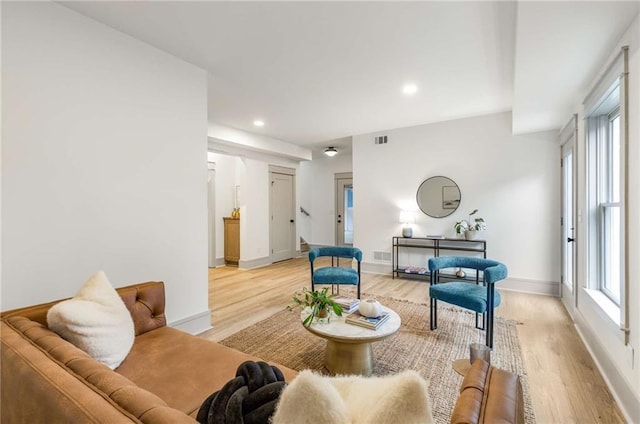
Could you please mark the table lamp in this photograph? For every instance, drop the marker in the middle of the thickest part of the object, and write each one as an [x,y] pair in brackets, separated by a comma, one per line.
[407,219]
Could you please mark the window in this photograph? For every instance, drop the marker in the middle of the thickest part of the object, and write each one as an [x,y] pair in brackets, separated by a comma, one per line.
[609,208]
[605,194]
[606,114]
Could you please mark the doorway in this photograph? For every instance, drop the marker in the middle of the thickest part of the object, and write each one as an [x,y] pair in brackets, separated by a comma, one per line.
[344,209]
[211,205]
[282,230]
[568,222]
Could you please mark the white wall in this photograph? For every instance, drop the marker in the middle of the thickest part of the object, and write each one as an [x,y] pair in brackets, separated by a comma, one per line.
[103,162]
[249,169]
[318,197]
[252,142]
[602,335]
[224,198]
[253,176]
[1,109]
[512,180]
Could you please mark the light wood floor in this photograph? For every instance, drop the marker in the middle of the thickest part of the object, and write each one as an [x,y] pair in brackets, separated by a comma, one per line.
[565,384]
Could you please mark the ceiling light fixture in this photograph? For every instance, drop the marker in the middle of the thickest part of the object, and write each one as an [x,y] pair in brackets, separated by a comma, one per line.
[330,151]
[409,89]
[258,123]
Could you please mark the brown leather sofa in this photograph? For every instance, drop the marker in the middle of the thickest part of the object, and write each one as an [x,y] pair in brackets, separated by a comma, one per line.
[489,395]
[167,374]
[164,379]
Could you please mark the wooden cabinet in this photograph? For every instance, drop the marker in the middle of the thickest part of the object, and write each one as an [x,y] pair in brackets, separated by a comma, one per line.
[231,241]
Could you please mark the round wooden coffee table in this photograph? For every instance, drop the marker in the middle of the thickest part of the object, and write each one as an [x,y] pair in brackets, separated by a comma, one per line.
[349,346]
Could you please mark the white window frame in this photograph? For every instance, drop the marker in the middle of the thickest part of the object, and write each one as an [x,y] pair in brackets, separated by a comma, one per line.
[607,99]
[606,200]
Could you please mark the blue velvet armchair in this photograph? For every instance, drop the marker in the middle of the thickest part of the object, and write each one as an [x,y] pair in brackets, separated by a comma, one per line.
[336,274]
[480,298]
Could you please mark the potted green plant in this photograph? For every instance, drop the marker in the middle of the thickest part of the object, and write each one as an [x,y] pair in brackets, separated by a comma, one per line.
[470,227]
[319,304]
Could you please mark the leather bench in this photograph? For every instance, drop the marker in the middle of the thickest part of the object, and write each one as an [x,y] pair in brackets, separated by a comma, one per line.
[489,395]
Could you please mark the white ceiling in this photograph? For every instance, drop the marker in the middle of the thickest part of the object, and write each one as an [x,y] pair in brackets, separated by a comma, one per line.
[561,47]
[317,71]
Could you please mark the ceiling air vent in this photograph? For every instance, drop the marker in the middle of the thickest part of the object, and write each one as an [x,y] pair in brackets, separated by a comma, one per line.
[381,139]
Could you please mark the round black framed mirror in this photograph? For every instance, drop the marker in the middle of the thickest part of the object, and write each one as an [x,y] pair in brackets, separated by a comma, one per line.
[438,196]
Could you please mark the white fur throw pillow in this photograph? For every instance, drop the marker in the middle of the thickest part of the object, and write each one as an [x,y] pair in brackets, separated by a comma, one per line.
[312,398]
[96,321]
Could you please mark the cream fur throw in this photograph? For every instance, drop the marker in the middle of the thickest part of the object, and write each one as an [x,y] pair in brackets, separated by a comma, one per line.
[312,398]
[96,321]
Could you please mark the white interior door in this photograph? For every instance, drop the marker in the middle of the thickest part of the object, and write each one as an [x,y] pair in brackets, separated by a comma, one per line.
[283,227]
[344,211]
[568,222]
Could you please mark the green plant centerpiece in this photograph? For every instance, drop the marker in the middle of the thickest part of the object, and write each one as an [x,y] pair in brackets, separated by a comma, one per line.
[320,303]
[477,224]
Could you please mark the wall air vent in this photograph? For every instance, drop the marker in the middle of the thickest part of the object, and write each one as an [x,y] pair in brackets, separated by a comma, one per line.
[381,139]
[382,256]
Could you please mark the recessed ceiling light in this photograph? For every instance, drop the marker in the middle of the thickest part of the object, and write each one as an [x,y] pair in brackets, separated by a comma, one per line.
[409,89]
[258,123]
[330,151]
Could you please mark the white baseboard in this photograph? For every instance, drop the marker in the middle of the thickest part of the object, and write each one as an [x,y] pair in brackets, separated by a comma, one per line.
[624,395]
[376,268]
[195,324]
[254,263]
[548,288]
[260,262]
[219,262]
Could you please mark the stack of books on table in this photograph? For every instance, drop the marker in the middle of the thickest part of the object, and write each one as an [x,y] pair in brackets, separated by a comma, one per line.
[348,304]
[367,322]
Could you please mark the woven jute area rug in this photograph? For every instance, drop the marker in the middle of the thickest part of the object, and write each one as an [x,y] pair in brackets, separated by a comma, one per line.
[282,339]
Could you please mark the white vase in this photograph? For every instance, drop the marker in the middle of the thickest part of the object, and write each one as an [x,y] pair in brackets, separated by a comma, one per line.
[470,234]
[370,308]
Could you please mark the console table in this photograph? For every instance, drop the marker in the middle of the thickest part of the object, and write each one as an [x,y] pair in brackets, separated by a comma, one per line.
[438,247]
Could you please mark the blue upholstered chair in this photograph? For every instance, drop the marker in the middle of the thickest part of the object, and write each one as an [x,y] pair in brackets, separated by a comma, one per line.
[481,299]
[336,274]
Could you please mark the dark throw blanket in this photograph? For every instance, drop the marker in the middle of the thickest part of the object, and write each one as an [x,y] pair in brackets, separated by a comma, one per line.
[250,398]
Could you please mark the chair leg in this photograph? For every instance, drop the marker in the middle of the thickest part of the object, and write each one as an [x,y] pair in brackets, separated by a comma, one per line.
[489,329]
[433,319]
[312,285]
[483,327]
[489,313]
[435,314]
[359,279]
[484,321]
[433,303]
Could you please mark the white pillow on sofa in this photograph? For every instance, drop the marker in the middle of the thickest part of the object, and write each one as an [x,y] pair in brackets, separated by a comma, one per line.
[96,320]
[312,398]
